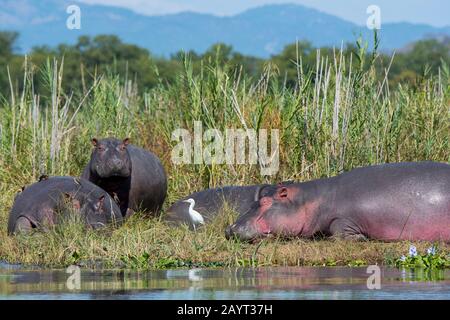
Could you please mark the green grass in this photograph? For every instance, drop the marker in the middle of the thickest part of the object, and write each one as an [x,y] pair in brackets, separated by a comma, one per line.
[335,119]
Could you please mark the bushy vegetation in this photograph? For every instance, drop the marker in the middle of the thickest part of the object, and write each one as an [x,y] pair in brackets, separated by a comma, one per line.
[92,56]
[340,113]
[432,258]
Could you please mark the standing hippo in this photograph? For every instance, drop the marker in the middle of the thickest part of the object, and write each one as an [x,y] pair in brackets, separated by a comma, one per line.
[131,175]
[401,201]
[44,203]
[210,202]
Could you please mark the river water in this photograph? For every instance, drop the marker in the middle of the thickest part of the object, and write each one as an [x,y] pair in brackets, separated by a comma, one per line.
[17,282]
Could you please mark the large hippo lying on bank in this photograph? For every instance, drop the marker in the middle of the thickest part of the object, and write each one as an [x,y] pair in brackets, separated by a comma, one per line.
[211,201]
[44,203]
[402,201]
[131,175]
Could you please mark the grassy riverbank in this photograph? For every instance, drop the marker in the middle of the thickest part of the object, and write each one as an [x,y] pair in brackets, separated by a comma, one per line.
[338,116]
[143,243]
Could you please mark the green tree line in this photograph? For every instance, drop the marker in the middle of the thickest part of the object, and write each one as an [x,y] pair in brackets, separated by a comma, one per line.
[93,56]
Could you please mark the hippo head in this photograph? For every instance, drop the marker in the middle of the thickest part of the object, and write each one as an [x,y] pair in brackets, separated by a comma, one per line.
[283,212]
[97,210]
[110,158]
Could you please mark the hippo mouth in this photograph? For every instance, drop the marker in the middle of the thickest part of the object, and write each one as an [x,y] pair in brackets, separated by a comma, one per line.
[263,235]
[246,230]
[112,173]
[117,174]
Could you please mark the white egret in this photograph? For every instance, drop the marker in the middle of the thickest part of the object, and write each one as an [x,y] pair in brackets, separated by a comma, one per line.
[194,275]
[196,217]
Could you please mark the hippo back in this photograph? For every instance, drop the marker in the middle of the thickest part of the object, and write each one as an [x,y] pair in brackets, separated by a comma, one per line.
[148,180]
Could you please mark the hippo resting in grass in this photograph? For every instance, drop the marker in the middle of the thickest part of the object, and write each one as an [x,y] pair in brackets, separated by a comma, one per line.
[210,202]
[131,175]
[46,202]
[401,201]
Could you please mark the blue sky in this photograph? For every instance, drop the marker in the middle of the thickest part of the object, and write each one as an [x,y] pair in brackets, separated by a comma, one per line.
[433,12]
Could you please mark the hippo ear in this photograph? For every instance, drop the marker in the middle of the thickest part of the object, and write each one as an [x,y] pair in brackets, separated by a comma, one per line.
[67,196]
[70,199]
[126,141]
[94,142]
[264,191]
[258,193]
[100,202]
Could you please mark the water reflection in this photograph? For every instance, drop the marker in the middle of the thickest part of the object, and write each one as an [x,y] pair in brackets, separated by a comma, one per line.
[236,283]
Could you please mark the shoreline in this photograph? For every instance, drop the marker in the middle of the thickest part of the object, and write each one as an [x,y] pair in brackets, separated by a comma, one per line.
[145,244]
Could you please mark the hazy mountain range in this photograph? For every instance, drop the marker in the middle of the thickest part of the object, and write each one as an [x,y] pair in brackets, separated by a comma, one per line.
[260,31]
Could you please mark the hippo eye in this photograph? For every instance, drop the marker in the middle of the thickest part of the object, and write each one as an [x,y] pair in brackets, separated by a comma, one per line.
[101,148]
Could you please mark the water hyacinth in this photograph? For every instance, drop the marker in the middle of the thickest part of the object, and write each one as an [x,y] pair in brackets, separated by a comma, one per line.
[433,258]
[412,251]
[431,250]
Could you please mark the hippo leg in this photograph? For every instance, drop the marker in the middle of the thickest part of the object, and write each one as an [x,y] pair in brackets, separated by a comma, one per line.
[23,225]
[129,213]
[347,230]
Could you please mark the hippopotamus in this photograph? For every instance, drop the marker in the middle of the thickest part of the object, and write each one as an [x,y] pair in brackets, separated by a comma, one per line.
[44,202]
[133,176]
[388,202]
[211,201]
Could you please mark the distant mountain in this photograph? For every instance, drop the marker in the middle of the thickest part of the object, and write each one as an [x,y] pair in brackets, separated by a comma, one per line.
[260,32]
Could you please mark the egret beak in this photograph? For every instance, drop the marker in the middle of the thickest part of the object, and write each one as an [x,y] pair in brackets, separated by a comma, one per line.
[186,201]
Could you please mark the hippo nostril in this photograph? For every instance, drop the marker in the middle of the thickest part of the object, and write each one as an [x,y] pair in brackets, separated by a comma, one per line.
[116,163]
